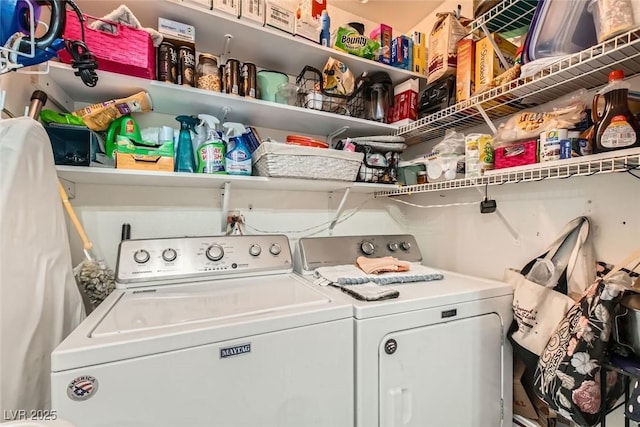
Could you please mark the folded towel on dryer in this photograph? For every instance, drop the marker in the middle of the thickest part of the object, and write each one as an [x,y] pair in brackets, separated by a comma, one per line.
[382,264]
[352,275]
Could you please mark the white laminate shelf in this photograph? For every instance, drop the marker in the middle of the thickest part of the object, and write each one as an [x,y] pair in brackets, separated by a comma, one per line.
[587,69]
[108,176]
[603,163]
[264,46]
[174,100]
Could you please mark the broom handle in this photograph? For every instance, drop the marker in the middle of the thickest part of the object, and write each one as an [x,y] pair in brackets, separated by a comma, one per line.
[74,219]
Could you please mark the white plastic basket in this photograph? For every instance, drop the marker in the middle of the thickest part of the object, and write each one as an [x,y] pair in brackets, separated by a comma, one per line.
[276,159]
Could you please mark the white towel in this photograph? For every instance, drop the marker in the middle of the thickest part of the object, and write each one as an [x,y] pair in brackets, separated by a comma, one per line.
[352,275]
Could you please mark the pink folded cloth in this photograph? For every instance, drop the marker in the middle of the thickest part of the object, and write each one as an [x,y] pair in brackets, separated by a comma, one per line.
[381,265]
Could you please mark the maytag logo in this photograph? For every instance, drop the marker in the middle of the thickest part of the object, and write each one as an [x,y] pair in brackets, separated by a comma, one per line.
[235,350]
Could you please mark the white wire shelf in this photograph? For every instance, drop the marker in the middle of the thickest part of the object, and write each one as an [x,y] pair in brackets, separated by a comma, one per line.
[611,162]
[587,69]
[508,15]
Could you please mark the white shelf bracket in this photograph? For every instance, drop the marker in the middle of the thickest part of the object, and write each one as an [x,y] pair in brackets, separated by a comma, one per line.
[496,49]
[504,221]
[345,196]
[69,187]
[486,118]
[226,195]
[226,50]
[334,134]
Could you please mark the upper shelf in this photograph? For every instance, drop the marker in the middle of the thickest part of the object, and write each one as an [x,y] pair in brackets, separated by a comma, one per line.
[264,46]
[587,69]
[610,162]
[506,16]
[109,176]
[174,100]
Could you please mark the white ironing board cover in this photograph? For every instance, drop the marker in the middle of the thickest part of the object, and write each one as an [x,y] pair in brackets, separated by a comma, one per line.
[40,303]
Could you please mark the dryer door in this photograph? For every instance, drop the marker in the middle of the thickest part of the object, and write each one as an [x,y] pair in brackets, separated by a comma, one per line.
[444,375]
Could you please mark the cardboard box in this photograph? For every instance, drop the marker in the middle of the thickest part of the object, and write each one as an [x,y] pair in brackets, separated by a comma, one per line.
[308,19]
[465,70]
[401,52]
[419,59]
[204,3]
[383,34]
[521,403]
[281,15]
[405,102]
[227,6]
[131,155]
[488,65]
[253,10]
[443,44]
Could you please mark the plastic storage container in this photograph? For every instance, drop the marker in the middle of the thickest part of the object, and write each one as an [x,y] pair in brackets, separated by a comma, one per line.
[611,17]
[559,28]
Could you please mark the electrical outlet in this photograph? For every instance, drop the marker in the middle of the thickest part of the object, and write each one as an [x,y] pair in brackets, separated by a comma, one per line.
[234,216]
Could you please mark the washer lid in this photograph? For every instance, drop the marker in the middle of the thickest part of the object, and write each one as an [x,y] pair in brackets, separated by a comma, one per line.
[162,308]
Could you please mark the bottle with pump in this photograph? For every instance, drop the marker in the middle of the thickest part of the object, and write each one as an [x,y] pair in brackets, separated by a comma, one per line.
[325,29]
[238,157]
[617,127]
[210,148]
[184,159]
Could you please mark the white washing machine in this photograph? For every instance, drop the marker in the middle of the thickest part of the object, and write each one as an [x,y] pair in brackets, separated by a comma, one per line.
[434,356]
[208,331]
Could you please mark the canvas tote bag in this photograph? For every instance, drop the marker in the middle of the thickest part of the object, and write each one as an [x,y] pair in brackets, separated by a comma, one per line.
[537,308]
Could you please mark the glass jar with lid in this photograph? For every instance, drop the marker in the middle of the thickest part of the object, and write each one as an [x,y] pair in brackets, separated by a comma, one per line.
[208,73]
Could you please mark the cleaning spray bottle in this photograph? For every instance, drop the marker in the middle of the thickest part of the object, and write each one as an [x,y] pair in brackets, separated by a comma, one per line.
[238,157]
[184,159]
[210,150]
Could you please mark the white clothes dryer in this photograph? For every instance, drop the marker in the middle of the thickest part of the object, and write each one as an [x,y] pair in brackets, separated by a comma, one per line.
[434,356]
[208,331]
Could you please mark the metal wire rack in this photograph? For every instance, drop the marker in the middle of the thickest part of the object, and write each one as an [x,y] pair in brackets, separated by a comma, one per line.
[587,69]
[507,15]
[617,161]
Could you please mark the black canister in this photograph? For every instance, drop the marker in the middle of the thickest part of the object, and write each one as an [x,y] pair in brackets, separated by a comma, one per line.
[248,87]
[187,62]
[232,76]
[167,67]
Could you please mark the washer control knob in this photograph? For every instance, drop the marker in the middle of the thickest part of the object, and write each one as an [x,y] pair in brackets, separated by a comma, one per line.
[405,246]
[275,249]
[141,256]
[169,255]
[393,247]
[367,248]
[215,252]
[255,250]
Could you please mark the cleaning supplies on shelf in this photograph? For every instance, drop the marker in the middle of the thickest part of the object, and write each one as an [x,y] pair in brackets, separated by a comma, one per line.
[210,147]
[325,32]
[184,158]
[122,126]
[238,157]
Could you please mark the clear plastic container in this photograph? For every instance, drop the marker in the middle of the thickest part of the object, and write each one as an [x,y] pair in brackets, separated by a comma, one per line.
[611,17]
[559,28]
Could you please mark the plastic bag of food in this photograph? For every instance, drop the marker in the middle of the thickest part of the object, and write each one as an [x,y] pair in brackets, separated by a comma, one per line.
[564,113]
[337,78]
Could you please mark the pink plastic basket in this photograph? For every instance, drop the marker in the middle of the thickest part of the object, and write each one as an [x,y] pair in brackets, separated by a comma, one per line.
[126,51]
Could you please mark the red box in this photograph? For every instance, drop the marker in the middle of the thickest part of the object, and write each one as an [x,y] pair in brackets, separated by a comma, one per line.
[128,51]
[518,154]
[405,102]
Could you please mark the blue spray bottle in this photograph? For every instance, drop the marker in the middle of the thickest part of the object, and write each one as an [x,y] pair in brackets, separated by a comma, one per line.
[184,159]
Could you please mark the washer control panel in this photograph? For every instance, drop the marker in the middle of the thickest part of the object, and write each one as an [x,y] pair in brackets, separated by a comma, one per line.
[339,250]
[145,260]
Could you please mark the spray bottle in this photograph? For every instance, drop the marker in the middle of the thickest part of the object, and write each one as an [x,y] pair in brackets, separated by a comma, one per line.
[238,157]
[211,149]
[185,161]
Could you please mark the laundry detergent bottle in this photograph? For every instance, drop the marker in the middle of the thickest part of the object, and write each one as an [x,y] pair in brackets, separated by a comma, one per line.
[184,159]
[210,150]
[238,157]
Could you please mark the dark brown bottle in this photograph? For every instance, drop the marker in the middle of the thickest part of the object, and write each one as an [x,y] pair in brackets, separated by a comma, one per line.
[617,128]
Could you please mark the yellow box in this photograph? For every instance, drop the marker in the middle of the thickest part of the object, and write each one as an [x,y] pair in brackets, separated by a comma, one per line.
[465,71]
[419,52]
[488,64]
[144,162]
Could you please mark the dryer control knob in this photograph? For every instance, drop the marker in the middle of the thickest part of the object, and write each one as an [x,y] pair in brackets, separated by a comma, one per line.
[367,248]
[215,252]
[275,249]
[255,250]
[169,255]
[405,246]
[393,247]
[141,256]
